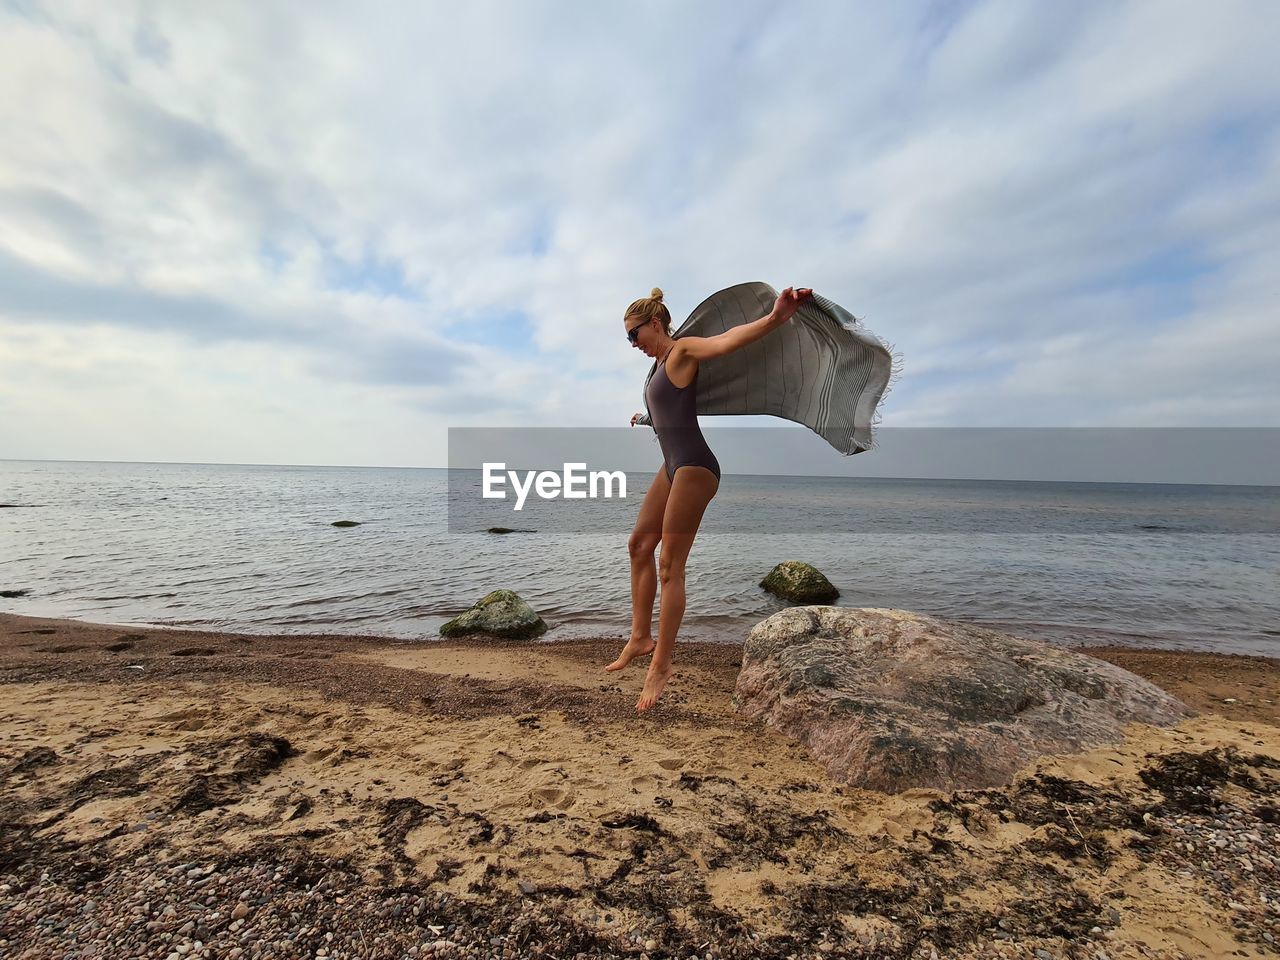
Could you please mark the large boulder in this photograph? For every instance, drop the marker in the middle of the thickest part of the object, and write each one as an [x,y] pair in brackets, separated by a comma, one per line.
[799,582]
[889,700]
[501,613]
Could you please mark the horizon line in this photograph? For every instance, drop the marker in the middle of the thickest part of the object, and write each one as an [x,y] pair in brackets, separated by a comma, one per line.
[815,476]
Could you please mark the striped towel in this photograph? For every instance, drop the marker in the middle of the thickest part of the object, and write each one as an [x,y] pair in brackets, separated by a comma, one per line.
[822,368]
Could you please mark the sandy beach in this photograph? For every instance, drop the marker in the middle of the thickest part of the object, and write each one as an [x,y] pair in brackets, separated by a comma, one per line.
[181,793]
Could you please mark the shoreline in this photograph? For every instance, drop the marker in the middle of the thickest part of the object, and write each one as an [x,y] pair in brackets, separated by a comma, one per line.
[500,798]
[1219,676]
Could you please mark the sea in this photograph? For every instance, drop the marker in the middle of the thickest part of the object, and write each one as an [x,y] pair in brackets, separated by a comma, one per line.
[253,549]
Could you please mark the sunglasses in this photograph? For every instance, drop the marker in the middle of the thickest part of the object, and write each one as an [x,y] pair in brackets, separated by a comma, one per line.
[634,332]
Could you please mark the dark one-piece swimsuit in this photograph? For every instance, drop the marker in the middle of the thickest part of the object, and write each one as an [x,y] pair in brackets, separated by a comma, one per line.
[673,411]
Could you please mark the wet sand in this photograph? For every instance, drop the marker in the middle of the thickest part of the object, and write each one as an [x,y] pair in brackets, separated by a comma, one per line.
[280,796]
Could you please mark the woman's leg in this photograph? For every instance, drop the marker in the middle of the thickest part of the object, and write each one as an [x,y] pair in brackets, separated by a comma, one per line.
[691,490]
[644,576]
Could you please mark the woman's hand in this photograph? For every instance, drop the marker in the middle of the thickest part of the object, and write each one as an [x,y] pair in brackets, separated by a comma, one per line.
[635,417]
[789,301]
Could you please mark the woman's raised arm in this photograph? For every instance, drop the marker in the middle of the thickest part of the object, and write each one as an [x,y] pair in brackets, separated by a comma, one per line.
[707,348]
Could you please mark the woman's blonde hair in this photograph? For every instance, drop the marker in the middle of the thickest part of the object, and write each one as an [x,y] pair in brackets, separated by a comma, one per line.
[650,307]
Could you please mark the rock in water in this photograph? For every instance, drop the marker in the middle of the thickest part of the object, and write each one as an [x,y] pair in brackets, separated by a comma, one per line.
[345,523]
[501,613]
[798,582]
[889,700]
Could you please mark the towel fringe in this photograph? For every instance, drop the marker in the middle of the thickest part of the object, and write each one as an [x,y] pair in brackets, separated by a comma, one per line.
[895,367]
[895,374]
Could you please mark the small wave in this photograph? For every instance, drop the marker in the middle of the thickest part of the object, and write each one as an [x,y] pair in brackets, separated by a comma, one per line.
[336,621]
[209,581]
[138,596]
[312,602]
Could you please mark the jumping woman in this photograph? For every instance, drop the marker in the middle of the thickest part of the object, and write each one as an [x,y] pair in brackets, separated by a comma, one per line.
[689,477]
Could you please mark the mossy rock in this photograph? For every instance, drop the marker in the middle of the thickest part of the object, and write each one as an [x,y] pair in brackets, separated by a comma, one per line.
[799,582]
[501,613]
[345,523]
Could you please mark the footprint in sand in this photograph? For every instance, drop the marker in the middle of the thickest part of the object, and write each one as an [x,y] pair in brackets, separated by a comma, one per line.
[558,797]
[671,763]
[320,753]
[193,652]
[296,810]
[190,719]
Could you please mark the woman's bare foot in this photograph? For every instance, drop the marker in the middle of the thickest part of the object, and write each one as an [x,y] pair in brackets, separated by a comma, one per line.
[654,681]
[634,648]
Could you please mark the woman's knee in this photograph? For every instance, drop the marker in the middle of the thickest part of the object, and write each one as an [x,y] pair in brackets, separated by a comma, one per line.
[642,545]
[670,569]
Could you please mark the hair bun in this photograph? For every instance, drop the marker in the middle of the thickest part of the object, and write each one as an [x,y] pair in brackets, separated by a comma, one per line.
[656,294]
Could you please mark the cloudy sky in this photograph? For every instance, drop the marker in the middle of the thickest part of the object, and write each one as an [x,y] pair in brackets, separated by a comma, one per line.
[325,232]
